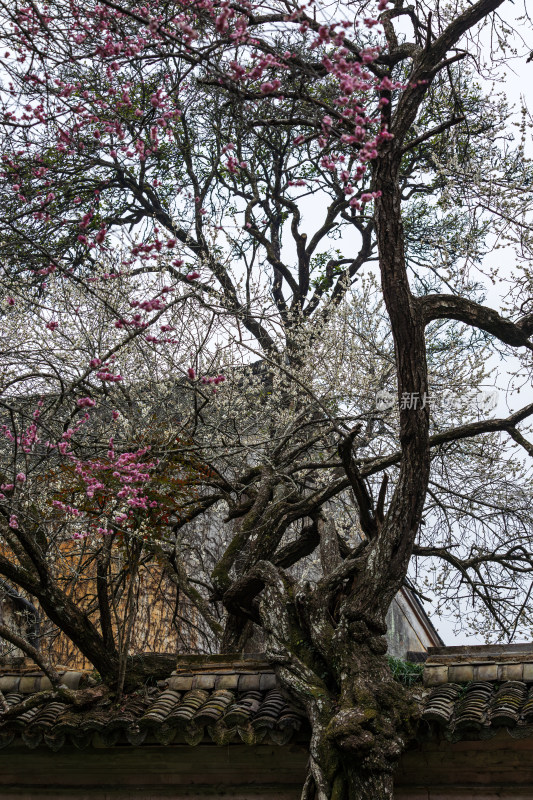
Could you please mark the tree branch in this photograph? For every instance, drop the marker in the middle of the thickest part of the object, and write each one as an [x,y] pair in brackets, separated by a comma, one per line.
[362,495]
[448,306]
[76,697]
[371,466]
[19,641]
[433,132]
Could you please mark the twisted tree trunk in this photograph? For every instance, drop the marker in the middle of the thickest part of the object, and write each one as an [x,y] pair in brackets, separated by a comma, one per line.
[334,664]
[361,720]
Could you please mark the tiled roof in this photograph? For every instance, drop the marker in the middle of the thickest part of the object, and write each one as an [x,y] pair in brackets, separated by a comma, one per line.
[469,693]
[240,702]
[512,662]
[481,709]
[478,691]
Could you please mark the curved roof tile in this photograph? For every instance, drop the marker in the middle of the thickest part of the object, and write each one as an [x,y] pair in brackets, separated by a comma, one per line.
[186,708]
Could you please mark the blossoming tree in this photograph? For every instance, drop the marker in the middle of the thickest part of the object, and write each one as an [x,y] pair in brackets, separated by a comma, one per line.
[251,161]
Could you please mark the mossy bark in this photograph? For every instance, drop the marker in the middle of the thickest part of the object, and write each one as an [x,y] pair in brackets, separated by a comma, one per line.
[361,723]
[333,663]
[360,732]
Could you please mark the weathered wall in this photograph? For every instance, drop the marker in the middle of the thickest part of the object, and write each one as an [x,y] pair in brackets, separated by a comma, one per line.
[496,769]
[160,625]
[154,772]
[409,629]
[500,768]
[465,793]
[11,617]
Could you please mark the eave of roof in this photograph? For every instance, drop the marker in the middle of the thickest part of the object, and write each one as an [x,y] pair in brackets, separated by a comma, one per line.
[219,702]
[480,710]
[478,691]
[512,662]
[469,693]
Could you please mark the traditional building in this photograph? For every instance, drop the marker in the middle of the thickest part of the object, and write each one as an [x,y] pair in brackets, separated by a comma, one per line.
[474,738]
[161,623]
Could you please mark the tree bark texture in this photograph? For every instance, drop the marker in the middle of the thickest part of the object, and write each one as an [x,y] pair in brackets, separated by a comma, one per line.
[334,665]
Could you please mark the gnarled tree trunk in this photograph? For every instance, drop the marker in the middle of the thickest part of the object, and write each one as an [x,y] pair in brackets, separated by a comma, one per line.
[334,664]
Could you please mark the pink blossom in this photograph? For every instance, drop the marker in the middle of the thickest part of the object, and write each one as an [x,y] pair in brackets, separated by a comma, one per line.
[191,374]
[100,236]
[232,165]
[52,326]
[386,84]
[13,522]
[86,402]
[21,477]
[270,86]
[104,375]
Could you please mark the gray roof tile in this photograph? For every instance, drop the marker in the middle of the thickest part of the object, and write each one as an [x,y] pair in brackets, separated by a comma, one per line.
[245,705]
[225,705]
[480,709]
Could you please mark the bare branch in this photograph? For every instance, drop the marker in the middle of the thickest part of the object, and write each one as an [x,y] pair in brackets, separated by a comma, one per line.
[443,306]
